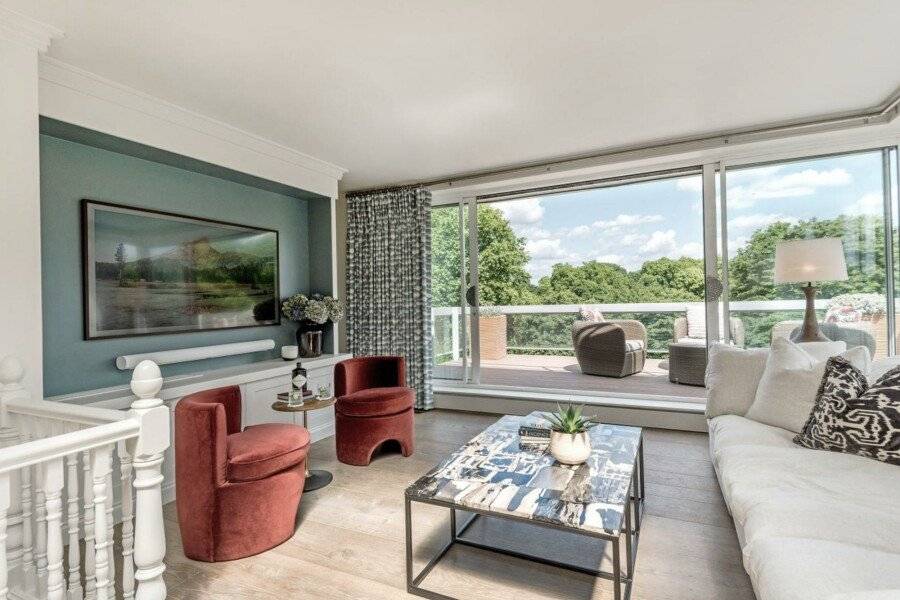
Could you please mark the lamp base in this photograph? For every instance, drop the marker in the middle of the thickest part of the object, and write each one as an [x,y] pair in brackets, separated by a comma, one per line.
[809,330]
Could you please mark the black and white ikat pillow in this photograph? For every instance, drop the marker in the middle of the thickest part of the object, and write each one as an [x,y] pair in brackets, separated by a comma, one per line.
[851,417]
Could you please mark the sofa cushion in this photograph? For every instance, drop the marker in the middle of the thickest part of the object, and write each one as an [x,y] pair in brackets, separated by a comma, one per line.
[262,450]
[791,380]
[785,568]
[850,418]
[751,475]
[732,376]
[634,345]
[376,402]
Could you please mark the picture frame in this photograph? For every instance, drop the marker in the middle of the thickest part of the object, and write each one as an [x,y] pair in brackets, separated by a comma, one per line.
[152,272]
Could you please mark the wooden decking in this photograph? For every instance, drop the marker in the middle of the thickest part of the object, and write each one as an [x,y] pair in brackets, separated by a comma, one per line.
[562,373]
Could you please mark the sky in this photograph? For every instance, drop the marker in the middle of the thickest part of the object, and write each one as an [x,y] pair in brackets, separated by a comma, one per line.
[631,224]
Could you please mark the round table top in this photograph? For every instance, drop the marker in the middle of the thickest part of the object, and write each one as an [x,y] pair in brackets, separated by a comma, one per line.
[313,403]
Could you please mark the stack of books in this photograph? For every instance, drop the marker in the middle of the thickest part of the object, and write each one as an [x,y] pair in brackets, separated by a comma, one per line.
[534,434]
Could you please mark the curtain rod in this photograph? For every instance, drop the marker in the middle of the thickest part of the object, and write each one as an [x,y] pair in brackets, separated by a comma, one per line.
[885,112]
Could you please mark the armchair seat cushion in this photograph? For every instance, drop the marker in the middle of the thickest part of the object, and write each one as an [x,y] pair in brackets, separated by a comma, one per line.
[376,402]
[263,450]
[634,345]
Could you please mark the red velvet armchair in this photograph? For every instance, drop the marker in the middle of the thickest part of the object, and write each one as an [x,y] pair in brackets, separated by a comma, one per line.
[373,406]
[237,491]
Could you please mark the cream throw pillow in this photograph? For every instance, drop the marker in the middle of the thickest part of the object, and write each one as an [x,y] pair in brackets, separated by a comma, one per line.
[732,376]
[696,321]
[791,379]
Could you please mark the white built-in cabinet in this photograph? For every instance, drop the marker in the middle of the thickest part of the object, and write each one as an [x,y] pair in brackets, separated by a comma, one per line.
[260,384]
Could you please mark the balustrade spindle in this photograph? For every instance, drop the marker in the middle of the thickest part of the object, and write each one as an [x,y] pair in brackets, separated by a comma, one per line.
[40,526]
[100,465]
[90,584]
[110,534]
[149,527]
[127,473]
[73,518]
[52,484]
[4,507]
[29,571]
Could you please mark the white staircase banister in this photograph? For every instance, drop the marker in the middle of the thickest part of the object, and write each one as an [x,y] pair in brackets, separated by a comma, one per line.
[63,411]
[58,446]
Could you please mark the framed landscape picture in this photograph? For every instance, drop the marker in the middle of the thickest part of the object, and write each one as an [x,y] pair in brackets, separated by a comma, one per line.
[149,272]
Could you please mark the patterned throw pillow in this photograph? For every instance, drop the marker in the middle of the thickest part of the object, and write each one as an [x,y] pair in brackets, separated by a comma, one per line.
[851,417]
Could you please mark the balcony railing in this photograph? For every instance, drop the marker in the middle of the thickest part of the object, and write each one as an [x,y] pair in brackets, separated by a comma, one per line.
[758,318]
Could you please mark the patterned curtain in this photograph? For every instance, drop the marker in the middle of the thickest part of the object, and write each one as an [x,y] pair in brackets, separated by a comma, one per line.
[389,280]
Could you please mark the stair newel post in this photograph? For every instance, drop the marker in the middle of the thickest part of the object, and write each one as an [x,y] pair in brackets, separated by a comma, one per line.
[149,528]
[18,526]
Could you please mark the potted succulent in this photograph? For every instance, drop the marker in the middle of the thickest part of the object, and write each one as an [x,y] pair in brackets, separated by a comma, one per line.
[570,442]
[313,313]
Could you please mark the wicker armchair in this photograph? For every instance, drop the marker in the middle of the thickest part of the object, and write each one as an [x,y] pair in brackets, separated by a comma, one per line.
[737,331]
[615,348]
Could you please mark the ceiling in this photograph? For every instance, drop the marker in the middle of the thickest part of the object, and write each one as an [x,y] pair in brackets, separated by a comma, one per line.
[401,91]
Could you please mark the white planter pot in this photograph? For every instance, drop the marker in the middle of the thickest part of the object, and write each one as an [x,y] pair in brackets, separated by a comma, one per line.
[570,448]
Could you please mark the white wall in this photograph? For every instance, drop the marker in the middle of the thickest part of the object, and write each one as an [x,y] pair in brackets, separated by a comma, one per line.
[20,203]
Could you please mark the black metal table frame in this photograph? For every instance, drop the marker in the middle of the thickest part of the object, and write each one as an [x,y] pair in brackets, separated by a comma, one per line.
[633,514]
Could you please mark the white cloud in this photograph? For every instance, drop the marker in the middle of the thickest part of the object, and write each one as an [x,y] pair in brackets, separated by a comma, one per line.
[690,184]
[616,259]
[758,221]
[691,250]
[868,204]
[632,239]
[762,184]
[660,242]
[544,249]
[625,220]
[525,211]
[580,231]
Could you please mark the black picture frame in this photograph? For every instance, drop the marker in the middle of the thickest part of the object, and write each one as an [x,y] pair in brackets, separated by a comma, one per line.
[94,330]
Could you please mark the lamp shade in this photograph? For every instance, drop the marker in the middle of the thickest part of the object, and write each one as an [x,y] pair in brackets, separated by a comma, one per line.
[799,261]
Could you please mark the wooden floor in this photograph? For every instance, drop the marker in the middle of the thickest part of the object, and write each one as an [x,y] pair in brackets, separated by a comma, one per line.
[349,542]
[563,373]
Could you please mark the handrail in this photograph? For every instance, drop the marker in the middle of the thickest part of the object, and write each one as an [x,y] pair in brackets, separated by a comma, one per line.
[61,411]
[58,446]
[639,307]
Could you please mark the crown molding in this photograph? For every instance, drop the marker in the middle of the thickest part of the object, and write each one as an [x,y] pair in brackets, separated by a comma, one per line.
[18,28]
[74,95]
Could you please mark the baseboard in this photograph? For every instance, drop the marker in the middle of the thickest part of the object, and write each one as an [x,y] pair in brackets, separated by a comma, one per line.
[639,413]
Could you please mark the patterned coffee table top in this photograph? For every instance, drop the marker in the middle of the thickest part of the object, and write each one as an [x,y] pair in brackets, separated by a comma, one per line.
[492,472]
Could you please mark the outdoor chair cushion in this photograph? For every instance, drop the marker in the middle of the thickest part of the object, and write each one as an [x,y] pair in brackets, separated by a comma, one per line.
[634,345]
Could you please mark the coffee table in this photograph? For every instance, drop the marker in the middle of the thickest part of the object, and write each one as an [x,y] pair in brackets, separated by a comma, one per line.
[492,476]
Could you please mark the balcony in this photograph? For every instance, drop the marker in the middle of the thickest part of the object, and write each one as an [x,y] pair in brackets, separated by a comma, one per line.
[531,346]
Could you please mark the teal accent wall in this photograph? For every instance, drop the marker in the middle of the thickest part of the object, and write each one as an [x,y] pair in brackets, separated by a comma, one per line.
[71,171]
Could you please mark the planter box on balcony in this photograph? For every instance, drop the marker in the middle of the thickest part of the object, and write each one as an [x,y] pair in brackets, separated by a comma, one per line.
[492,333]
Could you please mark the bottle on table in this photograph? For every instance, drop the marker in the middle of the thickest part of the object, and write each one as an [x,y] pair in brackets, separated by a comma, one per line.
[298,384]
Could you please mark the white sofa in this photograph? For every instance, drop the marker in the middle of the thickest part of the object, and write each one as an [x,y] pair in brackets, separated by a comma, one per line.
[813,525]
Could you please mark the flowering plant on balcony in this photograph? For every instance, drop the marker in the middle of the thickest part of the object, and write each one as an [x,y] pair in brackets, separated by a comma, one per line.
[316,308]
[851,308]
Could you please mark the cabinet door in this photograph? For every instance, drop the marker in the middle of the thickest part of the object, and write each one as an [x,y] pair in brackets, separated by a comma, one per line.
[258,399]
[323,418]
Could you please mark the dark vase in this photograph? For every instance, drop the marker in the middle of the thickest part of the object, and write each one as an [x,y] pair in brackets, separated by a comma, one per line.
[309,338]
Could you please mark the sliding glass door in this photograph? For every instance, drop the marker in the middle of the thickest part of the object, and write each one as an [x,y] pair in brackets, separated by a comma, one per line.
[680,257]
[847,196]
[452,315]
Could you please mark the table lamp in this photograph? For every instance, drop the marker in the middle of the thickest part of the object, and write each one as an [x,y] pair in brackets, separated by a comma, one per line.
[809,261]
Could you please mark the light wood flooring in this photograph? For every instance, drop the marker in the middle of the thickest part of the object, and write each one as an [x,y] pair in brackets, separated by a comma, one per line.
[349,542]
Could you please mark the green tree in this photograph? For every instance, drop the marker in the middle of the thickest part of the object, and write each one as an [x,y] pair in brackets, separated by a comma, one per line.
[502,258]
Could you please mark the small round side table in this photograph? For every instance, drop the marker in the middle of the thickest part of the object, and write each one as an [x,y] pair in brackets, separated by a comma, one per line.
[315,479]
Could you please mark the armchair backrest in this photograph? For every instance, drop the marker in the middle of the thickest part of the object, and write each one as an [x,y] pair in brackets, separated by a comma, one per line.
[365,372]
[202,423]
